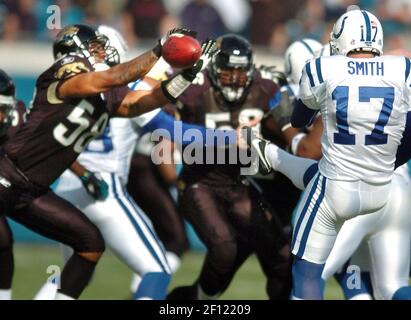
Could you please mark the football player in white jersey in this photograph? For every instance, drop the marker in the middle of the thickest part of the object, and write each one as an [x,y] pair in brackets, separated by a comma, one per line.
[388,264]
[363,100]
[295,58]
[307,144]
[390,272]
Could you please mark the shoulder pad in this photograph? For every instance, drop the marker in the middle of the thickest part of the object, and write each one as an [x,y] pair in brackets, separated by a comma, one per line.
[71,65]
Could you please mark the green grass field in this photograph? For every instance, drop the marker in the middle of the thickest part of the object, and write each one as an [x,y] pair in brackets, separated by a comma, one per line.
[112,278]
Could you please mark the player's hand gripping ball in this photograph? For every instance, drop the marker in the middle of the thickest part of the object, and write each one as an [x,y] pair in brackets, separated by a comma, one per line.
[181,50]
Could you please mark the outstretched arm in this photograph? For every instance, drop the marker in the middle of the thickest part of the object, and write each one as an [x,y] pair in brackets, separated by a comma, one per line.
[138,102]
[92,83]
[177,129]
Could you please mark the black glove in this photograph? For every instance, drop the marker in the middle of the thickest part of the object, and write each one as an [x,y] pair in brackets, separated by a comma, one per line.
[95,185]
[184,31]
[271,73]
[208,51]
[158,48]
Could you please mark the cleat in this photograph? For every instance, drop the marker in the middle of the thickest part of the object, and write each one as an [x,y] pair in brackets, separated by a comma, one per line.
[259,145]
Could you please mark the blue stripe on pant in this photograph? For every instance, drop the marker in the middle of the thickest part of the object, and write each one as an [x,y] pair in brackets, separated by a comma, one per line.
[310,221]
[137,227]
[301,217]
[312,214]
[140,213]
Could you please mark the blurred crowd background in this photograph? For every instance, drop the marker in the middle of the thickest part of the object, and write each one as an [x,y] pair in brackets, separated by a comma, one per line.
[272,24]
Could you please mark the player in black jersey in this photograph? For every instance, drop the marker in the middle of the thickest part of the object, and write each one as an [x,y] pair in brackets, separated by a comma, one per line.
[226,209]
[72,105]
[11,117]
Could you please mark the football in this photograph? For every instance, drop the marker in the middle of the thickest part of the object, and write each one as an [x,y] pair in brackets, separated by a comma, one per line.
[181,51]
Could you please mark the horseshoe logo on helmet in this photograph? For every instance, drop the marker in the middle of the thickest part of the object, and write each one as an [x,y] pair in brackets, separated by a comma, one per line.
[337,35]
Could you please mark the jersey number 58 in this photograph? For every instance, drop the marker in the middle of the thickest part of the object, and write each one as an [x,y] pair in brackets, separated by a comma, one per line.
[80,136]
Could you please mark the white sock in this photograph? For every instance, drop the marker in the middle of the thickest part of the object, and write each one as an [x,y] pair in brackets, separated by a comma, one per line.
[5,294]
[201,295]
[173,260]
[291,166]
[47,292]
[361,296]
[135,282]
[62,296]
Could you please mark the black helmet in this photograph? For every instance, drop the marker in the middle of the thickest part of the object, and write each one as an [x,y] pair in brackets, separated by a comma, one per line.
[76,38]
[231,70]
[7,101]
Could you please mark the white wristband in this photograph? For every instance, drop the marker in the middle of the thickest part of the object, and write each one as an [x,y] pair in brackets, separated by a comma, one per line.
[296,141]
[177,85]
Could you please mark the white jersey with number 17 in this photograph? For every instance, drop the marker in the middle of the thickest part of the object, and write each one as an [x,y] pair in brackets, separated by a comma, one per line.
[363,103]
